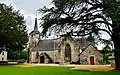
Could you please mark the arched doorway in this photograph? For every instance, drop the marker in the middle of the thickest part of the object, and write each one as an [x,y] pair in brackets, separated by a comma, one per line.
[67,53]
[42,58]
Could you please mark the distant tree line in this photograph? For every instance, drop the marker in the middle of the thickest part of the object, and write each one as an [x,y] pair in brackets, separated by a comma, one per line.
[17,55]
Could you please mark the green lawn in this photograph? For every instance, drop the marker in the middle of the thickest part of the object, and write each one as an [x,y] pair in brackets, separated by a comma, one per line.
[12,70]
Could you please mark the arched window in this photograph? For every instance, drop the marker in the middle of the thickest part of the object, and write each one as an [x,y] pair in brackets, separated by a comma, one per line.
[68,52]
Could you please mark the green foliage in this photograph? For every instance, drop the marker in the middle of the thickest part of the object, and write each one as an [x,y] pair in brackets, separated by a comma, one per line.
[107,52]
[17,55]
[23,54]
[112,10]
[13,33]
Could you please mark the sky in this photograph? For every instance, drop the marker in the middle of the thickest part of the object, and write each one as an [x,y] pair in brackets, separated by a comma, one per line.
[28,9]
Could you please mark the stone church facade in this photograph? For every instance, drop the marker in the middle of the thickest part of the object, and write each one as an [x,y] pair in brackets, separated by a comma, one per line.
[62,50]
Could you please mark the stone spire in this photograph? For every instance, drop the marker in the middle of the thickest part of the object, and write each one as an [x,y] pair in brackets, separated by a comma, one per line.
[35,31]
[36,26]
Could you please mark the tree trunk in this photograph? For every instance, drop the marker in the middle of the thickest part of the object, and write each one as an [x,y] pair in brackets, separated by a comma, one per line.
[117,54]
[28,57]
[116,41]
[117,58]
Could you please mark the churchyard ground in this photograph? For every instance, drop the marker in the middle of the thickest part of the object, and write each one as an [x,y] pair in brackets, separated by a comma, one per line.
[48,70]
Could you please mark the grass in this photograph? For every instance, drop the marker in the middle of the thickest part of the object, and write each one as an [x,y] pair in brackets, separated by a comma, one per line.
[44,70]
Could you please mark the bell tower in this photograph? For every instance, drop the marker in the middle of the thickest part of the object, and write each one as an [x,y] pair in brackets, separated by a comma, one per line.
[34,38]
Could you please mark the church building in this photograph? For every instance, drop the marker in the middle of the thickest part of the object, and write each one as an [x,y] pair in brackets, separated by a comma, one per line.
[64,50]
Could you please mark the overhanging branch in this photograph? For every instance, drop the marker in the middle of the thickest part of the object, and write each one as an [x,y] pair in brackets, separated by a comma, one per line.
[105,31]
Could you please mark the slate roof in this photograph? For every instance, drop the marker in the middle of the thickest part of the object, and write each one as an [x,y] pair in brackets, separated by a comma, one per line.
[34,32]
[82,42]
[48,45]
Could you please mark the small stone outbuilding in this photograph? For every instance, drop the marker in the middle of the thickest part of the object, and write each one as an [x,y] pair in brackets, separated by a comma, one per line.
[91,55]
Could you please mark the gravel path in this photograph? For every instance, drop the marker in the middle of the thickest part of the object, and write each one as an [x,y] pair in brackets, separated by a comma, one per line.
[94,67]
[75,67]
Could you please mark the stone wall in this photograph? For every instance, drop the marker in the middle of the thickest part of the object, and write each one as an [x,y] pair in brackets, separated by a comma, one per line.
[74,50]
[33,57]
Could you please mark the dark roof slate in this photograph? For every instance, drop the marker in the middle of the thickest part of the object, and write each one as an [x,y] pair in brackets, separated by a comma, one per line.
[48,45]
[82,42]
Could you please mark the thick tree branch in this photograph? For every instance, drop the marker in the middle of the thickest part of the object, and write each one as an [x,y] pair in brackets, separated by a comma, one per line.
[105,31]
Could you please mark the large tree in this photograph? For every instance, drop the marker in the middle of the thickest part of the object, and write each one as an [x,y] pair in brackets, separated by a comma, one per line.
[13,33]
[85,17]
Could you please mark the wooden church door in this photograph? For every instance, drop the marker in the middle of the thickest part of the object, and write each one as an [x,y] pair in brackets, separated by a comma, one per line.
[92,60]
